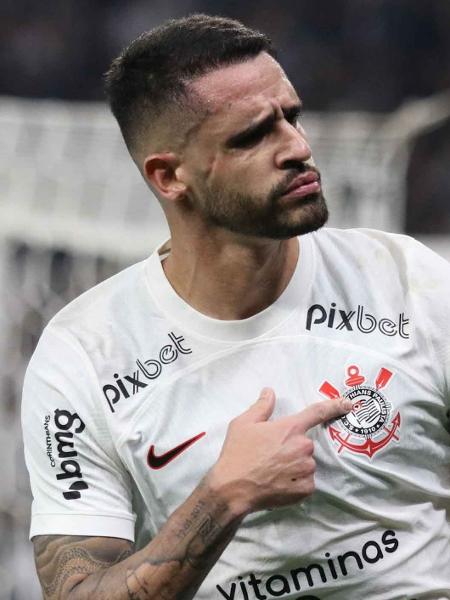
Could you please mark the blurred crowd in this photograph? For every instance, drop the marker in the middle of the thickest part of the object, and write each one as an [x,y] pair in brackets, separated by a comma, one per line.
[341,54]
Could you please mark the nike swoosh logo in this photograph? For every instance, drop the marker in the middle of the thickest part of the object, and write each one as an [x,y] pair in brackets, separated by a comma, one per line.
[159,461]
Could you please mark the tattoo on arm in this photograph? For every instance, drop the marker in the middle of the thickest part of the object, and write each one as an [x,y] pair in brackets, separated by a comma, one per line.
[63,561]
[174,571]
[171,567]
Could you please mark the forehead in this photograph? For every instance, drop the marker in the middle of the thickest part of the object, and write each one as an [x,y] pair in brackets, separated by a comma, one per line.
[237,94]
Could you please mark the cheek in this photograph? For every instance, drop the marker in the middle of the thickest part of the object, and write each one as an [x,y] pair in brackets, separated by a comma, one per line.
[212,170]
[242,172]
[204,168]
[250,170]
[258,166]
[256,177]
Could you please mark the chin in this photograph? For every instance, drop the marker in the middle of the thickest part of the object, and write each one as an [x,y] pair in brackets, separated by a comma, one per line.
[309,216]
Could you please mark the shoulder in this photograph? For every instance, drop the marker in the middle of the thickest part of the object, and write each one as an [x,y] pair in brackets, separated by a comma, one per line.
[371,248]
[98,302]
[62,373]
[89,324]
[371,237]
[396,267]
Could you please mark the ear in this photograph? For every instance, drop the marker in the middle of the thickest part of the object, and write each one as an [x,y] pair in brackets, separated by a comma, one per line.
[162,173]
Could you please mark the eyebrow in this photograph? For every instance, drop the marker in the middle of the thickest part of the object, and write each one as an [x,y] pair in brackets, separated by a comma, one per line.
[263,126]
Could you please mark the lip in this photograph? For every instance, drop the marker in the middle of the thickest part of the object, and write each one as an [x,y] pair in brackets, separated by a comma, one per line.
[303,185]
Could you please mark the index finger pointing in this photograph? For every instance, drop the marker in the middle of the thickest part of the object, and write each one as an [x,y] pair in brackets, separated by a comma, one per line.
[321,412]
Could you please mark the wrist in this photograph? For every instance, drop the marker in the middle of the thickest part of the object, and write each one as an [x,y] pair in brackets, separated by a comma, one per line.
[227,494]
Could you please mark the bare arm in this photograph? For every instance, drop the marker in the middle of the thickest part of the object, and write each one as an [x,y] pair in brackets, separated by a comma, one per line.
[278,470]
[61,561]
[172,566]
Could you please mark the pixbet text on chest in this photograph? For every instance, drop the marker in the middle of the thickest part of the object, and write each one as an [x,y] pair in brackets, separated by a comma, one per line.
[355,319]
[130,384]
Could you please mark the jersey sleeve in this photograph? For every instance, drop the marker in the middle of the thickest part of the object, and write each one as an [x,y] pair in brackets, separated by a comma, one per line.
[79,484]
[425,277]
[430,291]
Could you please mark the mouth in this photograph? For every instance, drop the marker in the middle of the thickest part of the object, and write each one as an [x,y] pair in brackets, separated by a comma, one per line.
[303,185]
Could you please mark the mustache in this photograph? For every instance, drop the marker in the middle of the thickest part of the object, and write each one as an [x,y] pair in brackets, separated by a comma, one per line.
[281,188]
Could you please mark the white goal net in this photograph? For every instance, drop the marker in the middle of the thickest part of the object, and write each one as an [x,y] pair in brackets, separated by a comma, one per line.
[74,210]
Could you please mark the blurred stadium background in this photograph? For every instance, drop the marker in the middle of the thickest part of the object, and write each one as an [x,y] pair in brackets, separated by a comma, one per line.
[375,79]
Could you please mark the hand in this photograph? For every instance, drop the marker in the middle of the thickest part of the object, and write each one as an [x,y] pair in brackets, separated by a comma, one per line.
[264,464]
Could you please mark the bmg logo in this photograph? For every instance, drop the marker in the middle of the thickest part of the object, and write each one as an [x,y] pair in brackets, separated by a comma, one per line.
[68,424]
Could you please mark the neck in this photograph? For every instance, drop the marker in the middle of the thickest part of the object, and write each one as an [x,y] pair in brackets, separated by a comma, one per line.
[230,278]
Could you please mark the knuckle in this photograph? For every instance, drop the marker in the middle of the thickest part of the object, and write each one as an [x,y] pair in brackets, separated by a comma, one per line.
[311,466]
[305,446]
[308,446]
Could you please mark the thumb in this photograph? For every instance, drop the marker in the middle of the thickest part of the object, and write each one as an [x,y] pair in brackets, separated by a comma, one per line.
[262,409]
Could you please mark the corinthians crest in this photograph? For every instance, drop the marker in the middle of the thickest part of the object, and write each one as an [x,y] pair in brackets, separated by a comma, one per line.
[368,427]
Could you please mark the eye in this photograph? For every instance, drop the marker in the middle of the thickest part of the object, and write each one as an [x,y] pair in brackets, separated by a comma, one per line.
[250,140]
[294,118]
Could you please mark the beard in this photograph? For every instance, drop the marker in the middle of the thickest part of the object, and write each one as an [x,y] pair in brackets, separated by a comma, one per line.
[267,217]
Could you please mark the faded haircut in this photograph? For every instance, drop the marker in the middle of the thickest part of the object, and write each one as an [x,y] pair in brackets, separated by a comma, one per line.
[149,79]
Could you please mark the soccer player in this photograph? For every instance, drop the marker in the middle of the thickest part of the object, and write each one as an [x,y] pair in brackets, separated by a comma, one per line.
[259,410]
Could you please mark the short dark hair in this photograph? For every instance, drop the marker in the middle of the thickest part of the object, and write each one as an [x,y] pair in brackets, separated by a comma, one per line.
[151,73]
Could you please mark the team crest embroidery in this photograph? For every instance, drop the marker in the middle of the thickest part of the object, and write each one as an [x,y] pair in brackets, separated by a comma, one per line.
[368,427]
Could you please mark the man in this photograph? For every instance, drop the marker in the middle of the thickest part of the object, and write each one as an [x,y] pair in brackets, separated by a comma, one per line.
[154,472]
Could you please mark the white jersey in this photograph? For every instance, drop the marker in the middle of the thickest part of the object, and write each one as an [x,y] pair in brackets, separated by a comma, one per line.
[130,391]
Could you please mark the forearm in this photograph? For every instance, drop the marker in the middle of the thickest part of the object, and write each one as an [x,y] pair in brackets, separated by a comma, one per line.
[175,562]
[278,471]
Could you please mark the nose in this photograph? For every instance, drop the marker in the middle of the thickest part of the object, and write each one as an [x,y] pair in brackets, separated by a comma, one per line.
[293,146]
